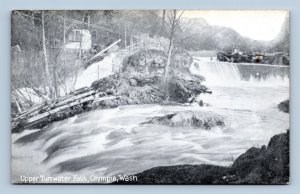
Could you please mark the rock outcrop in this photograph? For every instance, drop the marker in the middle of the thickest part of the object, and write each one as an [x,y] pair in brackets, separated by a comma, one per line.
[203,120]
[284,106]
[265,165]
[142,80]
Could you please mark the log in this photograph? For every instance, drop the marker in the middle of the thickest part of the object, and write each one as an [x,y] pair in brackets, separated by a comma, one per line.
[28,112]
[61,108]
[35,116]
[74,98]
[55,104]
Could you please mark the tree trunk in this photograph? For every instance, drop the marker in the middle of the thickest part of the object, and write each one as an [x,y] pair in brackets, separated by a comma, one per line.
[163,22]
[47,72]
[32,19]
[172,32]
[64,39]
[64,51]
[169,58]
[125,36]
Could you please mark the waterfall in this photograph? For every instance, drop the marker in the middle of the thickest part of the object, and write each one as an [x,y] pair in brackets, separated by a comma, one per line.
[233,74]
[217,73]
[95,71]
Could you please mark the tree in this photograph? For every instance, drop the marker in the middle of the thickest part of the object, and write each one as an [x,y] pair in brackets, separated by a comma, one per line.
[47,71]
[163,21]
[41,67]
[173,23]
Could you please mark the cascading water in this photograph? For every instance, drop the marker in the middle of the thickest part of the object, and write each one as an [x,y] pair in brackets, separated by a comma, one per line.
[111,141]
[234,74]
[217,73]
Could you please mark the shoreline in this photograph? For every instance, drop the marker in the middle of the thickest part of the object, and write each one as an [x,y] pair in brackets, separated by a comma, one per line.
[266,165]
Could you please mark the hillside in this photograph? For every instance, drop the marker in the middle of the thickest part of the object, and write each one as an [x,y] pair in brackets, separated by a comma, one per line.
[199,35]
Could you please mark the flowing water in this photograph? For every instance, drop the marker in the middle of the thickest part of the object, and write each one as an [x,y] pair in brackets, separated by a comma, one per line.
[112,142]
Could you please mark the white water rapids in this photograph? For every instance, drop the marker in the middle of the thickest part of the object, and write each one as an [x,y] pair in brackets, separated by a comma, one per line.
[111,142]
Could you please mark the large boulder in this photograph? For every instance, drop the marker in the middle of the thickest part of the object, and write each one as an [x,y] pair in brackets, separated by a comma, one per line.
[203,120]
[178,92]
[183,85]
[265,165]
[284,106]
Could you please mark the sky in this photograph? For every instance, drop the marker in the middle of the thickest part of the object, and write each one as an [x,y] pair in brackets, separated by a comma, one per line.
[255,24]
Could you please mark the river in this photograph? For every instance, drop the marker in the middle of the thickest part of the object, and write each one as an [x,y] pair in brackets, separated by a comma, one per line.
[112,142]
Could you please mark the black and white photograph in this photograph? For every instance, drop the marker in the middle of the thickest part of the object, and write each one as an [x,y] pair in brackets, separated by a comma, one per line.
[139,97]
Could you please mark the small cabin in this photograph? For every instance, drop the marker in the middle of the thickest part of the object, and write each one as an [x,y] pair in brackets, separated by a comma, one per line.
[75,35]
[79,38]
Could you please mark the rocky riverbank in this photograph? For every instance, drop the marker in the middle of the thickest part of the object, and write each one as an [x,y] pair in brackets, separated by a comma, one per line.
[266,165]
[142,81]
